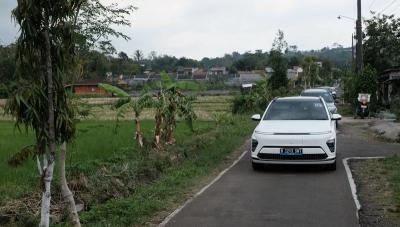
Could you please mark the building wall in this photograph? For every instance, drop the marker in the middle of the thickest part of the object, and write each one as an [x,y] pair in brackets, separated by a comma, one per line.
[89,89]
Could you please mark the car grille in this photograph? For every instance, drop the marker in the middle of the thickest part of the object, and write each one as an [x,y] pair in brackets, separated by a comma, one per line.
[294,157]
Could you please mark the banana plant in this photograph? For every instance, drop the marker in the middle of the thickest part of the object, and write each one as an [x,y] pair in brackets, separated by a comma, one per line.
[127,103]
[170,103]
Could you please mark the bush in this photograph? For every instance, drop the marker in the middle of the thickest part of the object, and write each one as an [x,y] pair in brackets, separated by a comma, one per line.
[244,104]
[361,83]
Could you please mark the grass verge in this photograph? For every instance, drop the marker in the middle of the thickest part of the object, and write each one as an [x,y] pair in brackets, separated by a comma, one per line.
[118,183]
[378,184]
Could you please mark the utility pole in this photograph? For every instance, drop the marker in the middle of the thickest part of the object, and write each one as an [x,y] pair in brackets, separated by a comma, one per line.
[359,47]
[352,51]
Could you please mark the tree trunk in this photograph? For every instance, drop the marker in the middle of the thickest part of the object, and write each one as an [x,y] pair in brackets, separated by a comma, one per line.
[170,130]
[46,195]
[48,173]
[65,191]
[139,134]
[158,130]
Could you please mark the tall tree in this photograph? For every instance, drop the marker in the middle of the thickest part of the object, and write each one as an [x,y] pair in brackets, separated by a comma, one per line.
[382,43]
[278,63]
[280,43]
[44,50]
[138,56]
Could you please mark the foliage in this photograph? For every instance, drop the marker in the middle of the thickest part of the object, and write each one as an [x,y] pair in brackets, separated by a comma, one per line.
[279,65]
[170,102]
[95,151]
[280,45]
[365,82]
[29,103]
[95,22]
[256,99]
[7,69]
[310,75]
[382,43]
[244,104]
[250,61]
[114,90]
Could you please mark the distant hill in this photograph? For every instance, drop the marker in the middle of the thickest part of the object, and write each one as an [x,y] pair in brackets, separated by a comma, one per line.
[340,56]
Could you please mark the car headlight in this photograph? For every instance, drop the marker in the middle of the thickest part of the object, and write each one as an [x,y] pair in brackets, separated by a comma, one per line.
[331,145]
[254,144]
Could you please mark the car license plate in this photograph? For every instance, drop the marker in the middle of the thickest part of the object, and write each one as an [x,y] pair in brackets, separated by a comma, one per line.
[291,151]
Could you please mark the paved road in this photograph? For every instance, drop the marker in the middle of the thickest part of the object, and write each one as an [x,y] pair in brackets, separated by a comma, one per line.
[280,196]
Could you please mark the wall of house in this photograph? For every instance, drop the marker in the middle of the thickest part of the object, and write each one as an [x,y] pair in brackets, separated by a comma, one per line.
[89,89]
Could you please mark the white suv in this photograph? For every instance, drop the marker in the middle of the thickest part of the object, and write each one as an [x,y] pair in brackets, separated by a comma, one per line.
[295,130]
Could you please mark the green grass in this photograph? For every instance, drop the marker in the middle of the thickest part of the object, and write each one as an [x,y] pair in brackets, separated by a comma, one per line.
[96,142]
[391,166]
[382,176]
[147,182]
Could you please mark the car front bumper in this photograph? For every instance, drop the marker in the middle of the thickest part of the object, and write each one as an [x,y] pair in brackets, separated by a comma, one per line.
[295,162]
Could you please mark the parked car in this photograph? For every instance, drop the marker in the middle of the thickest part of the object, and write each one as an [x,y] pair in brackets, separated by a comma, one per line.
[332,90]
[296,130]
[326,95]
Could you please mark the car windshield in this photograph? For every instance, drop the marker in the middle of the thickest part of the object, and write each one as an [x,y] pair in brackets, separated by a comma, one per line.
[296,110]
[325,95]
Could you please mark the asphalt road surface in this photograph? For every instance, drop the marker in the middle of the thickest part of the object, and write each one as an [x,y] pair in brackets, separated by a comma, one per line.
[282,196]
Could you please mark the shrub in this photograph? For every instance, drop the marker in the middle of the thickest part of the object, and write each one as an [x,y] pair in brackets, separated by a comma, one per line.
[244,104]
[361,83]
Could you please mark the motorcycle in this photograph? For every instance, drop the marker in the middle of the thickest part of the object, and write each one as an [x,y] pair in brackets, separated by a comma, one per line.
[362,108]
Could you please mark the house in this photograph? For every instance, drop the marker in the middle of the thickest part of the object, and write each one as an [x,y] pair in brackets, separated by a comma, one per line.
[388,85]
[185,73]
[248,77]
[200,74]
[294,73]
[87,87]
[217,71]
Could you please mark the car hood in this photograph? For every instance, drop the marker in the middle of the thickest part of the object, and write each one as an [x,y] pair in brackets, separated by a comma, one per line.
[294,127]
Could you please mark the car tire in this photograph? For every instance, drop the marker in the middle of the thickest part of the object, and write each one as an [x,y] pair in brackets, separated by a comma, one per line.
[331,167]
[257,166]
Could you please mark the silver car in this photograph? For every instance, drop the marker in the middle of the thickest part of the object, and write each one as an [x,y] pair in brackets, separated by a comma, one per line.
[326,95]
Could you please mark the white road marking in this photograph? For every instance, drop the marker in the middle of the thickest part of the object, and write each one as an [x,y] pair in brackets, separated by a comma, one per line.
[173,214]
[351,179]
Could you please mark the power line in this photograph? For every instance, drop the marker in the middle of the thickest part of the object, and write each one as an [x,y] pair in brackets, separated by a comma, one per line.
[388,6]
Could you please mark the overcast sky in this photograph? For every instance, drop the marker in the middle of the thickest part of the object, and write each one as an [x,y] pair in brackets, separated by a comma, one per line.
[210,28]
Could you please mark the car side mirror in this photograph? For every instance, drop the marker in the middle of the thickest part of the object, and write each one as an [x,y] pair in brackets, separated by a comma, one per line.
[336,117]
[256,117]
